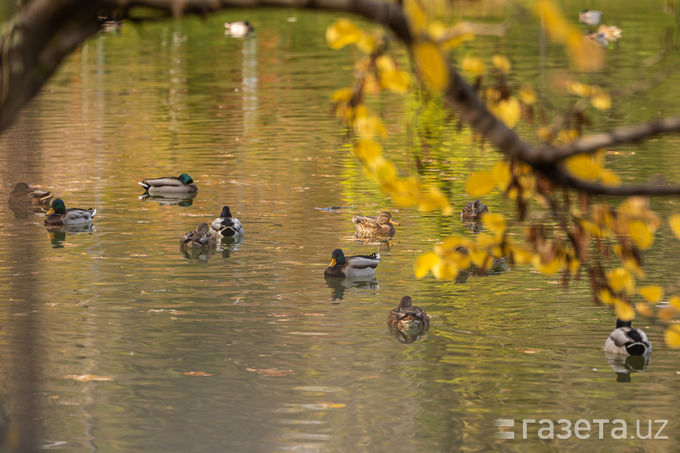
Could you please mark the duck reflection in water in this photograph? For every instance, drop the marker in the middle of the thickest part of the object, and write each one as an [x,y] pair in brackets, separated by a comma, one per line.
[625,365]
[184,200]
[57,235]
[338,286]
[407,323]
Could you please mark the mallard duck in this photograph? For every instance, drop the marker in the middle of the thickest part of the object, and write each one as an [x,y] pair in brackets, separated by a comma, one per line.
[354,266]
[227,226]
[183,184]
[238,29]
[201,238]
[589,17]
[381,225]
[407,319]
[25,197]
[473,211]
[58,215]
[627,340]
[611,33]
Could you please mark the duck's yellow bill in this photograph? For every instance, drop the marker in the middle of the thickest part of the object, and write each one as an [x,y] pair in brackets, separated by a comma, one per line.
[332,263]
[51,211]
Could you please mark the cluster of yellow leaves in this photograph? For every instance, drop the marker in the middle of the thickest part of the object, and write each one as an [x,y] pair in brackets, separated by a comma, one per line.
[405,191]
[590,167]
[598,97]
[456,254]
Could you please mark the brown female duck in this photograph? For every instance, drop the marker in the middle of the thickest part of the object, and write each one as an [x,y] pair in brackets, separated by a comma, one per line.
[381,225]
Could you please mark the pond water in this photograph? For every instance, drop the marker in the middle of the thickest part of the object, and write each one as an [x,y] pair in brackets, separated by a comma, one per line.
[251,349]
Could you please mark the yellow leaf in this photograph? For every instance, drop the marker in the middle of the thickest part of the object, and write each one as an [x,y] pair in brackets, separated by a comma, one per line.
[675,302]
[478,257]
[653,294]
[641,234]
[417,20]
[501,174]
[643,309]
[507,110]
[674,222]
[486,240]
[548,268]
[341,33]
[601,101]
[579,89]
[620,278]
[343,94]
[527,95]
[445,270]
[472,65]
[369,126]
[431,65]
[672,336]
[367,150]
[624,311]
[609,178]
[397,81]
[479,184]
[501,63]
[584,166]
[496,223]
[521,256]
[425,262]
[384,170]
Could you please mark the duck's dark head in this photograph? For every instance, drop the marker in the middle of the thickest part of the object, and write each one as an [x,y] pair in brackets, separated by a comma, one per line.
[225,212]
[20,188]
[185,179]
[337,257]
[620,323]
[405,303]
[57,207]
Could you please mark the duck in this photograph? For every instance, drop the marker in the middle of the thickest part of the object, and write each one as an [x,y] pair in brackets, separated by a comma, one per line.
[199,239]
[589,17]
[408,320]
[182,184]
[353,266]
[474,211]
[380,225]
[58,215]
[627,340]
[226,226]
[25,197]
[238,29]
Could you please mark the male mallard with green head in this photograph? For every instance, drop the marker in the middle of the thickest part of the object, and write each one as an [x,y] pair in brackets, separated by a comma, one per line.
[201,238]
[226,226]
[473,211]
[627,340]
[58,215]
[408,322]
[381,225]
[354,266]
[25,197]
[183,184]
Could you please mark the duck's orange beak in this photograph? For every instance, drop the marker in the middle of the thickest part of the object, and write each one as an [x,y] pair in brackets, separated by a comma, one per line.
[332,263]
[393,222]
[51,211]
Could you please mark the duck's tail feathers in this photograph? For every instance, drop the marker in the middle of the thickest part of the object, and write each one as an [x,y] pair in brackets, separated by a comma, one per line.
[146,186]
